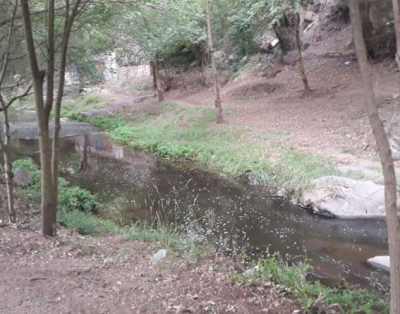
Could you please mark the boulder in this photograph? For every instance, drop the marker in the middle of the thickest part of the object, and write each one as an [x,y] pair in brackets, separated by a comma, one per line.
[22,177]
[381,262]
[343,197]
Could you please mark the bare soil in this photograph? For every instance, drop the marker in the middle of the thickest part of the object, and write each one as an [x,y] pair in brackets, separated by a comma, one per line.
[76,274]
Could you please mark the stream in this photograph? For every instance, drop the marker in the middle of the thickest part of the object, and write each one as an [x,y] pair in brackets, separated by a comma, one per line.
[232,216]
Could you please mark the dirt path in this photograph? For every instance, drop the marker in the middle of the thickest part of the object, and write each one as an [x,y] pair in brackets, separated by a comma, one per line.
[75,274]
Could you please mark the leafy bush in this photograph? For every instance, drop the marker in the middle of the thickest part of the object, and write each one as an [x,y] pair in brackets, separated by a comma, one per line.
[69,198]
[76,198]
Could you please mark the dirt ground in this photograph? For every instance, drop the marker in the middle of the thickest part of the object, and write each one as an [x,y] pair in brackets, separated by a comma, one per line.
[332,122]
[76,274]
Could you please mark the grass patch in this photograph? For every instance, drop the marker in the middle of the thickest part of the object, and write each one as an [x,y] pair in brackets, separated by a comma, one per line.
[351,299]
[89,224]
[299,168]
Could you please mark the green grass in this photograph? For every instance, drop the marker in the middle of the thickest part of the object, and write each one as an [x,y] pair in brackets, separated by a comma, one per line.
[89,224]
[293,279]
[178,132]
[299,168]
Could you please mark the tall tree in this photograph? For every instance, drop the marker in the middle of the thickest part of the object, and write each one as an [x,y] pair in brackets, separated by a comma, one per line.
[392,217]
[299,46]
[44,105]
[289,11]
[10,91]
[218,102]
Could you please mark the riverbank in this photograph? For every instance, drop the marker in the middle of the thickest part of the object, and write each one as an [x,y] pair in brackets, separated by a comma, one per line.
[175,131]
[105,250]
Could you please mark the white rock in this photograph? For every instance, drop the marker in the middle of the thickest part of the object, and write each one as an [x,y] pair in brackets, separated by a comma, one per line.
[158,257]
[344,197]
[381,262]
[251,272]
[248,273]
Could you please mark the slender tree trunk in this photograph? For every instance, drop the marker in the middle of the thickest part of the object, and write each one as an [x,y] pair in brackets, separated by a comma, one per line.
[68,22]
[48,146]
[48,204]
[218,101]
[5,147]
[50,58]
[48,211]
[5,144]
[85,153]
[300,62]
[396,15]
[153,74]
[392,217]
[160,94]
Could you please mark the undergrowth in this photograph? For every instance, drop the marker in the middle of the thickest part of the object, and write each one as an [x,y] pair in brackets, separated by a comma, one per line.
[315,295]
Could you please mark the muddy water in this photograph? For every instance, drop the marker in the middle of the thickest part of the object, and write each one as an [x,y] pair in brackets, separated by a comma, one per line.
[230,215]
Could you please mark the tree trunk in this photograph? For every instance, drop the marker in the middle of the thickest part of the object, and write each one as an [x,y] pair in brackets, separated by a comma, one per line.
[160,94]
[392,217]
[85,152]
[5,147]
[5,144]
[396,15]
[48,199]
[218,102]
[300,62]
[68,22]
[153,74]
[48,210]
[48,147]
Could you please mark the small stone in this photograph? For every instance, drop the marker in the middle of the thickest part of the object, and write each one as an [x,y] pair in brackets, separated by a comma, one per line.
[248,273]
[282,193]
[158,257]
[22,177]
[381,262]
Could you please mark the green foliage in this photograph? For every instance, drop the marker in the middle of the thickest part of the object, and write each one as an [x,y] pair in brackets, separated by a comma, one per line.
[69,198]
[166,28]
[76,198]
[85,223]
[293,277]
